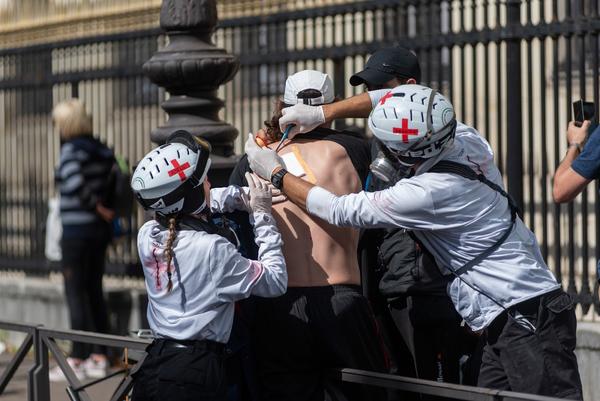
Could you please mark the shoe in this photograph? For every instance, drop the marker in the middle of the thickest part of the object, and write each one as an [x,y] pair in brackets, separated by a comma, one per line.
[56,374]
[95,368]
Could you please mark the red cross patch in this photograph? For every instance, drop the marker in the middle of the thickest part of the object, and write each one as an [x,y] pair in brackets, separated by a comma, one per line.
[179,169]
[405,131]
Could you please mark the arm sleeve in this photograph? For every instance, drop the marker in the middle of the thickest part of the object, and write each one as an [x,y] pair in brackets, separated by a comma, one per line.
[587,164]
[237,277]
[228,199]
[405,205]
[377,95]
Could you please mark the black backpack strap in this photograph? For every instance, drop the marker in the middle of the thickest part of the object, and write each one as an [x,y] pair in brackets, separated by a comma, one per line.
[446,166]
[189,223]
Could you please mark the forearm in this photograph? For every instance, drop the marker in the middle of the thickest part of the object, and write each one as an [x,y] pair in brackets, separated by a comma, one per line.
[296,189]
[565,164]
[358,106]
[351,210]
[567,183]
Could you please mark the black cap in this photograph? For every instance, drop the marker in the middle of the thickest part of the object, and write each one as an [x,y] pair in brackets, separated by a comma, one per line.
[387,64]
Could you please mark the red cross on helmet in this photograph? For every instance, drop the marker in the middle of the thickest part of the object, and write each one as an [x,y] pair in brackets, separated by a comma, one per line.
[168,180]
[414,120]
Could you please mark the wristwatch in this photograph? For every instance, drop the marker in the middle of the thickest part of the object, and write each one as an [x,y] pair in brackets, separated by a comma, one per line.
[575,145]
[277,178]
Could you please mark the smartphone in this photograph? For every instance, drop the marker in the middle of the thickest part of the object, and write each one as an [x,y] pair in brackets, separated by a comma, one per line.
[583,110]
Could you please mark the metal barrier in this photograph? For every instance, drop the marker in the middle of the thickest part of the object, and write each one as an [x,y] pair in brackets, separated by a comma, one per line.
[43,341]
[13,365]
[433,388]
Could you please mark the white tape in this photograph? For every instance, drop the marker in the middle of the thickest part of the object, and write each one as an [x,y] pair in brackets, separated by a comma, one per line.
[293,165]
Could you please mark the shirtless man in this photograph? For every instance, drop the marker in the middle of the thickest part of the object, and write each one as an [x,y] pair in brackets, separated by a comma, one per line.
[323,321]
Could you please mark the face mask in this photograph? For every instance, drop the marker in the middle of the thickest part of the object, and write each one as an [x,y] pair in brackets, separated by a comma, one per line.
[389,168]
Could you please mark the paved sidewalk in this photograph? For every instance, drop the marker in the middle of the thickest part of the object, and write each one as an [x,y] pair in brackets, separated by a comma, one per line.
[17,388]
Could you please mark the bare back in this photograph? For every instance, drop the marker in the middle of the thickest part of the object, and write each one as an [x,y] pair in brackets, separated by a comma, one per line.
[316,252]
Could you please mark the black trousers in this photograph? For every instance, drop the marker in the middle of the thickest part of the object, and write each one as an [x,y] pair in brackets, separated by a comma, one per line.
[440,348]
[303,334]
[83,268]
[194,373]
[541,362]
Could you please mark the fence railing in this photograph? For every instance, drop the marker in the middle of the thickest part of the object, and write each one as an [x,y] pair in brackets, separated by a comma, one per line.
[43,341]
[512,69]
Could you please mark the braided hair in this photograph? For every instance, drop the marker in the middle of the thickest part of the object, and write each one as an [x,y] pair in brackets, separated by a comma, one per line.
[169,250]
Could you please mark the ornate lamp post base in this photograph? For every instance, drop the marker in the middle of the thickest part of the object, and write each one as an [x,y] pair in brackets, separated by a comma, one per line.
[191,69]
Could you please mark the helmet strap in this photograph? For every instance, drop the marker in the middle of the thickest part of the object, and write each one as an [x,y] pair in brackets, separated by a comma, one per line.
[428,115]
[429,124]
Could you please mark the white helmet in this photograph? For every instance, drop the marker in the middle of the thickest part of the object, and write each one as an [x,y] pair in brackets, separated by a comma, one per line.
[414,120]
[168,180]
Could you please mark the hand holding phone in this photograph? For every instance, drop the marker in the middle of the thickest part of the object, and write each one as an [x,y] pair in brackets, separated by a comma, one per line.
[577,134]
[583,111]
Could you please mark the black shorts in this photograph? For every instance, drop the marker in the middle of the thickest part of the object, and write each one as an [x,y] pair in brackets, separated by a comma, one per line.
[543,362]
[196,372]
[301,335]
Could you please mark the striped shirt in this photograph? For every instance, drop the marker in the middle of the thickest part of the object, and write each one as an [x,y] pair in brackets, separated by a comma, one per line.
[82,175]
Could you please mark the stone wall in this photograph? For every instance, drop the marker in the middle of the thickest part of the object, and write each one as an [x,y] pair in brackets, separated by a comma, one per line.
[41,300]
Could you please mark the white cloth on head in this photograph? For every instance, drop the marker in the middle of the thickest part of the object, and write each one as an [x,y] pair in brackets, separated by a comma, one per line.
[456,219]
[308,79]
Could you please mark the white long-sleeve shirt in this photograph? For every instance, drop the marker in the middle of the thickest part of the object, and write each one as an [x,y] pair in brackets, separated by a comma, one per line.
[456,219]
[208,274]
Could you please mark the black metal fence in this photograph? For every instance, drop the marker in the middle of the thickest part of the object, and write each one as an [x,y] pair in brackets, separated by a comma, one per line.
[44,343]
[512,69]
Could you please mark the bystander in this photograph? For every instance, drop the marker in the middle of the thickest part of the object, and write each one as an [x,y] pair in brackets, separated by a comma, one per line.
[85,163]
[580,165]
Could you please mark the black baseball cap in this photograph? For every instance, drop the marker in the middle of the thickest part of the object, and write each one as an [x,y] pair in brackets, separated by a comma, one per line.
[387,64]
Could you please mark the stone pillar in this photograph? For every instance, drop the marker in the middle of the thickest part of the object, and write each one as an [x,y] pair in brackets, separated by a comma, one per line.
[191,69]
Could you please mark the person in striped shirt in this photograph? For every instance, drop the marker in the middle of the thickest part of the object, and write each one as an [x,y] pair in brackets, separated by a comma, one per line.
[82,174]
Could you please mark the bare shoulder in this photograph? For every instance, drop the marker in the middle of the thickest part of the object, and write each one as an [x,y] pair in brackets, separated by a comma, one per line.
[330,165]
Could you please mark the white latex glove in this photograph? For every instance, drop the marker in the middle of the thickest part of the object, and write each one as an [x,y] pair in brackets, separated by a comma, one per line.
[262,160]
[245,200]
[306,118]
[260,194]
[277,195]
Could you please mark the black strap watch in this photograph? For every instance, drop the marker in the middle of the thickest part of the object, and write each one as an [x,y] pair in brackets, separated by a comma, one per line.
[277,178]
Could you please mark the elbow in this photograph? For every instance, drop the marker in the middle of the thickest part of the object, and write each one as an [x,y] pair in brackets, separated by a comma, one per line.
[560,195]
[559,198]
